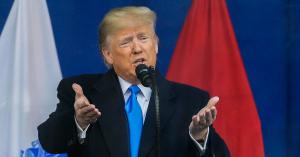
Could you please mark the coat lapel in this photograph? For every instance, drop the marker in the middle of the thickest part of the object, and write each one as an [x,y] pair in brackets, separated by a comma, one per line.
[108,97]
[167,106]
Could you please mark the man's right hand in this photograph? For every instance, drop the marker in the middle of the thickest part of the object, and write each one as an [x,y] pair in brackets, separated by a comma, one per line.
[85,113]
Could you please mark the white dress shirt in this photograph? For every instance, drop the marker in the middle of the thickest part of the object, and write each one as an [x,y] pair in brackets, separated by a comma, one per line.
[143,98]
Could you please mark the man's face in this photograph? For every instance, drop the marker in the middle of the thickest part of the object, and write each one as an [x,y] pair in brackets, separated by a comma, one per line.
[130,47]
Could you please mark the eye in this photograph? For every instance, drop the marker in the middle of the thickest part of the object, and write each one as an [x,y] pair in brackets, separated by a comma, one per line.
[143,38]
[124,43]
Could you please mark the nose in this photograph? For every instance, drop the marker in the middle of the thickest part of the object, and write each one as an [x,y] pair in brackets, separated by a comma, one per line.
[136,47]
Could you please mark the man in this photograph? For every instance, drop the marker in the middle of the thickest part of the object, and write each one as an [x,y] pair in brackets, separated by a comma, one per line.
[94,115]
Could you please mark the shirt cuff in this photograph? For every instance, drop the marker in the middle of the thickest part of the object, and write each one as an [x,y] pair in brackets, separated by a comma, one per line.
[200,147]
[81,134]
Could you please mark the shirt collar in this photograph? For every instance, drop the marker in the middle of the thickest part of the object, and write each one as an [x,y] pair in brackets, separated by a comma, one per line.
[146,91]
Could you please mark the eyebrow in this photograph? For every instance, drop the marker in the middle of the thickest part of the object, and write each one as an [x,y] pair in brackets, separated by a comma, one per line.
[144,34]
[126,38]
[130,37]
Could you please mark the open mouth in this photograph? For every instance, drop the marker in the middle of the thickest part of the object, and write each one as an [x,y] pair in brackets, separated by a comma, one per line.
[139,61]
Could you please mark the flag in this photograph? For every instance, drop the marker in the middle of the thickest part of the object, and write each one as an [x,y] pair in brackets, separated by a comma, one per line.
[207,56]
[29,74]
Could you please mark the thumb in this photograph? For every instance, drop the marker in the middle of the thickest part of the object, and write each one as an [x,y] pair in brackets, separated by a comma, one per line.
[213,101]
[78,90]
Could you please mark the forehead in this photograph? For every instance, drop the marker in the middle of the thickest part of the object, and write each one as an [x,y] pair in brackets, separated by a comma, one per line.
[146,29]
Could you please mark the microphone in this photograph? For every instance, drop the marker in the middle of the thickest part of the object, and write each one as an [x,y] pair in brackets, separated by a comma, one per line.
[143,73]
[147,77]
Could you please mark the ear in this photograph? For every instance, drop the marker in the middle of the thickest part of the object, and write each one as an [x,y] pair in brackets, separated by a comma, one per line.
[107,56]
[156,45]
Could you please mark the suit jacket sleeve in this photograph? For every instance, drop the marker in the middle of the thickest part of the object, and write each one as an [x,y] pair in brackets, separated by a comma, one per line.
[216,146]
[58,133]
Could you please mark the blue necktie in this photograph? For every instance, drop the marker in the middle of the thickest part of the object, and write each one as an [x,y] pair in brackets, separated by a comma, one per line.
[135,120]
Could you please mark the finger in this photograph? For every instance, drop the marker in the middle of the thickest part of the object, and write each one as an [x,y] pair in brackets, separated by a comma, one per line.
[195,120]
[93,113]
[93,116]
[202,120]
[212,101]
[78,90]
[85,110]
[214,113]
[208,117]
[81,103]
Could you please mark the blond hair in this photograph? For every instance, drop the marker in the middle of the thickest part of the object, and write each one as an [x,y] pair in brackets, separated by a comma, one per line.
[124,17]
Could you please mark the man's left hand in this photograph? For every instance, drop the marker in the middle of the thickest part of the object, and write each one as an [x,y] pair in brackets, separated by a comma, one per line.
[203,119]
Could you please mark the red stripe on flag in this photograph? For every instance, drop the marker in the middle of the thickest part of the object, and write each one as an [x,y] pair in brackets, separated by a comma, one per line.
[207,56]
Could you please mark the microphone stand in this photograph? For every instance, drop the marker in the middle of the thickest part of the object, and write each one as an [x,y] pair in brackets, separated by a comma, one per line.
[157,113]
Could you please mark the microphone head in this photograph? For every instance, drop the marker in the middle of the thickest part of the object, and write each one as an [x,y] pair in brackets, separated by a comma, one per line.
[143,73]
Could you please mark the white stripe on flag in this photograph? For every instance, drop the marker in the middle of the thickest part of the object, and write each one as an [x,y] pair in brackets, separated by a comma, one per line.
[29,74]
